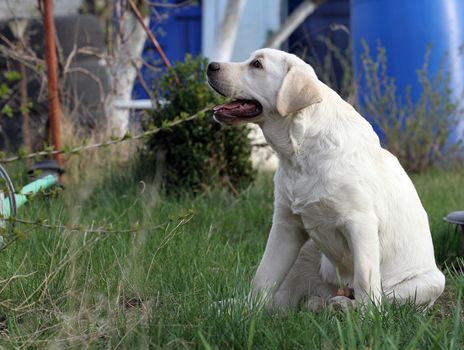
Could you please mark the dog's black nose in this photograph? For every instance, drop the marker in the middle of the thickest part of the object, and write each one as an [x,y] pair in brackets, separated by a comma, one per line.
[213,66]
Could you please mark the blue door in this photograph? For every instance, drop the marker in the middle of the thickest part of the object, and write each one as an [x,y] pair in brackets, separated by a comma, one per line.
[178,30]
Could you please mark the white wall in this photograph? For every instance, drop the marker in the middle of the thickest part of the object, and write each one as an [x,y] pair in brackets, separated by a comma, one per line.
[259,17]
[28,8]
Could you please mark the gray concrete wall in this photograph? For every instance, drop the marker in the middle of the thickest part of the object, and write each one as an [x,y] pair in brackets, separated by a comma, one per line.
[28,8]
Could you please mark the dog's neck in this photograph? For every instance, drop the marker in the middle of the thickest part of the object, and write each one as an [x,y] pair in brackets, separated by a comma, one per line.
[323,129]
[284,135]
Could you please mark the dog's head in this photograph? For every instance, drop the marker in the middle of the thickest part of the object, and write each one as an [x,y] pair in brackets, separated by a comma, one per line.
[269,82]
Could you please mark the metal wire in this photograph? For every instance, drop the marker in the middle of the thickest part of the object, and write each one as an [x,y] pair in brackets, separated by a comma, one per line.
[11,191]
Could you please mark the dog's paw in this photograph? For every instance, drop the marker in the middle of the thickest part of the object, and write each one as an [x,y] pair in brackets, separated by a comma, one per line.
[341,303]
[315,304]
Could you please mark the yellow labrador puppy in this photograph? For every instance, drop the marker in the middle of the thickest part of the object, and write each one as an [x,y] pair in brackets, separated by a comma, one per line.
[346,214]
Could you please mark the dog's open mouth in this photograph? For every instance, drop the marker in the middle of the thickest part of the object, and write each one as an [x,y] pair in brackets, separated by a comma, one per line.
[237,110]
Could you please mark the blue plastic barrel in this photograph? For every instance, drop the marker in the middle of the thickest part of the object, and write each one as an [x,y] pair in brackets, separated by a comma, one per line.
[405,28]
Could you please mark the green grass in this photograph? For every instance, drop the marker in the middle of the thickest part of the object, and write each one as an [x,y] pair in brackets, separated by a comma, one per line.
[160,287]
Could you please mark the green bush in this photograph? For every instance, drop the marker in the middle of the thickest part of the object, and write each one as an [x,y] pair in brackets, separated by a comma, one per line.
[200,153]
[416,132]
[7,91]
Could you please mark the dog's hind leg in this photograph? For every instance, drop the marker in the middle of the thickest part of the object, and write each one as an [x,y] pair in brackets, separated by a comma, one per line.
[304,279]
[422,289]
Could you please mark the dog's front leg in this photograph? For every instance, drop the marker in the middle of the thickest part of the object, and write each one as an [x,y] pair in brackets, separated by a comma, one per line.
[364,244]
[285,240]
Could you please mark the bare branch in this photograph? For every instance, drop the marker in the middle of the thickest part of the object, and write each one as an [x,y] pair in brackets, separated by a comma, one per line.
[168,5]
[114,141]
[93,76]
[31,62]
[292,22]
[143,82]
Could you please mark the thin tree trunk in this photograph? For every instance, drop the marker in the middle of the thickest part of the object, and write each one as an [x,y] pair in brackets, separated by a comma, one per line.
[127,52]
[227,33]
[292,22]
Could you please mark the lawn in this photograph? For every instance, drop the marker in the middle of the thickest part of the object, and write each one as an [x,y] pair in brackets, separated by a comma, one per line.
[160,286]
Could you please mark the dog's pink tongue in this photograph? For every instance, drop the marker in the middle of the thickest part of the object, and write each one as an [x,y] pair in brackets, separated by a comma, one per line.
[229,106]
[238,108]
[233,105]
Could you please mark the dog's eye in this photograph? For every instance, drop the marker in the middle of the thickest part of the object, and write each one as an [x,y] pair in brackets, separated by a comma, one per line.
[257,64]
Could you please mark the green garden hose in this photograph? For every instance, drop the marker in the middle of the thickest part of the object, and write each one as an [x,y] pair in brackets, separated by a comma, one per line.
[29,190]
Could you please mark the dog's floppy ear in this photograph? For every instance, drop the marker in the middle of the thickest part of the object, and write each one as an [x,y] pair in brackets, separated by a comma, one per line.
[299,90]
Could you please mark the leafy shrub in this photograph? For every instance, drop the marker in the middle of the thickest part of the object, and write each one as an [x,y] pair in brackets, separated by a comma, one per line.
[417,132]
[198,153]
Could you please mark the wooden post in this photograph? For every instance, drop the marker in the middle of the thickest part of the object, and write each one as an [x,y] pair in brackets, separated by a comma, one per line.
[52,76]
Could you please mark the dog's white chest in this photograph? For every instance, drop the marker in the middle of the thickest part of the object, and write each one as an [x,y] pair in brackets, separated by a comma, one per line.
[302,191]
[323,226]
[309,198]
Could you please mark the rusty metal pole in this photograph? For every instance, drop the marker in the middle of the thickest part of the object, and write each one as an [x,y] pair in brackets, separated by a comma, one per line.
[52,76]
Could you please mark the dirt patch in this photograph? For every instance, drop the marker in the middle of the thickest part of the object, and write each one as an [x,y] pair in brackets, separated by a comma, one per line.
[446,303]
